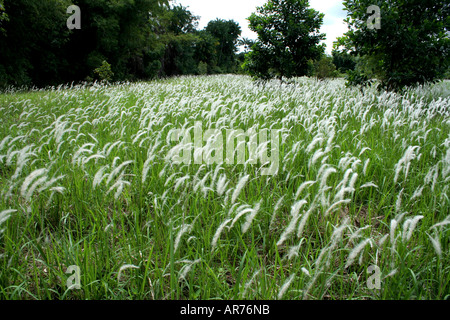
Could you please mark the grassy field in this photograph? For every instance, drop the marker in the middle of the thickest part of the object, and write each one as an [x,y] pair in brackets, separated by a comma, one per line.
[361,193]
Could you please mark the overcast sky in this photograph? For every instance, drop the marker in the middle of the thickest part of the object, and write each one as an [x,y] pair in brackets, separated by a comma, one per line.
[239,10]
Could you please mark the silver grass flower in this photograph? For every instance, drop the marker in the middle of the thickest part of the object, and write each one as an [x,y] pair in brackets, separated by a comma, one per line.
[285,286]
[125,267]
[408,227]
[242,181]
[29,179]
[354,253]
[250,217]
[218,233]
[117,170]
[4,216]
[436,244]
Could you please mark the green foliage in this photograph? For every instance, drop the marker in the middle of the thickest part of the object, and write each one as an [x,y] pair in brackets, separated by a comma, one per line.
[447,74]
[355,78]
[206,49]
[227,34]
[343,61]
[38,48]
[140,39]
[179,41]
[412,46]
[288,36]
[104,72]
[202,68]
[324,68]
[3,16]
[33,41]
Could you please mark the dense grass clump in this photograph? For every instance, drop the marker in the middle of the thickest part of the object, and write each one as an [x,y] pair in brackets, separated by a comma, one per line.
[86,179]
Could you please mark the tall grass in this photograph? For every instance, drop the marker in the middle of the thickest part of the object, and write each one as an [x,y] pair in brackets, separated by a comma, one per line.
[86,180]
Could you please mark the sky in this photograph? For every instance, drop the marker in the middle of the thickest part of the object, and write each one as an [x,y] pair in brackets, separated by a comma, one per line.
[239,10]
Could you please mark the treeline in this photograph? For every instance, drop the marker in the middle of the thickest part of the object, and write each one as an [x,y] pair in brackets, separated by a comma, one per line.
[145,39]
[118,40]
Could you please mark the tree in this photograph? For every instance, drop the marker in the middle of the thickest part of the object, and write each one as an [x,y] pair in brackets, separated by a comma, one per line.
[38,49]
[206,50]
[104,72]
[324,68]
[288,37]
[3,15]
[120,32]
[177,34]
[227,34]
[246,43]
[410,47]
[33,41]
[343,61]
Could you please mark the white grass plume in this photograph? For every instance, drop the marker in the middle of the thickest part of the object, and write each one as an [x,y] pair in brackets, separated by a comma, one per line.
[29,179]
[344,181]
[305,271]
[119,186]
[94,156]
[442,223]
[49,183]
[394,224]
[408,227]
[398,203]
[275,209]
[293,251]
[116,171]
[297,206]
[302,187]
[180,181]
[218,233]
[221,184]
[316,156]
[417,193]
[291,227]
[4,216]
[366,165]
[325,174]
[317,140]
[23,158]
[304,219]
[354,253]
[4,141]
[241,211]
[99,176]
[369,185]
[111,147]
[436,245]
[285,286]
[125,267]
[249,282]
[84,149]
[185,269]
[185,228]
[336,204]
[250,217]
[239,187]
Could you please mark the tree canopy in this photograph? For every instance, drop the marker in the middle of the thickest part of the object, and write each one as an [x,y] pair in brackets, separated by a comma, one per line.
[411,45]
[124,39]
[288,37]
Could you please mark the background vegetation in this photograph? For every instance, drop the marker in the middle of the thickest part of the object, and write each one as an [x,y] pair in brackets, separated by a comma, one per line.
[147,39]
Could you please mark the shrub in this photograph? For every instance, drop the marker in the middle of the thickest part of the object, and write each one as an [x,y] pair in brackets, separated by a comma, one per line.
[104,72]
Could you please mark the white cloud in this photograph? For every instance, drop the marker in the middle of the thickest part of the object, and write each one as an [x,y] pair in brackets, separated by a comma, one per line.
[240,10]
